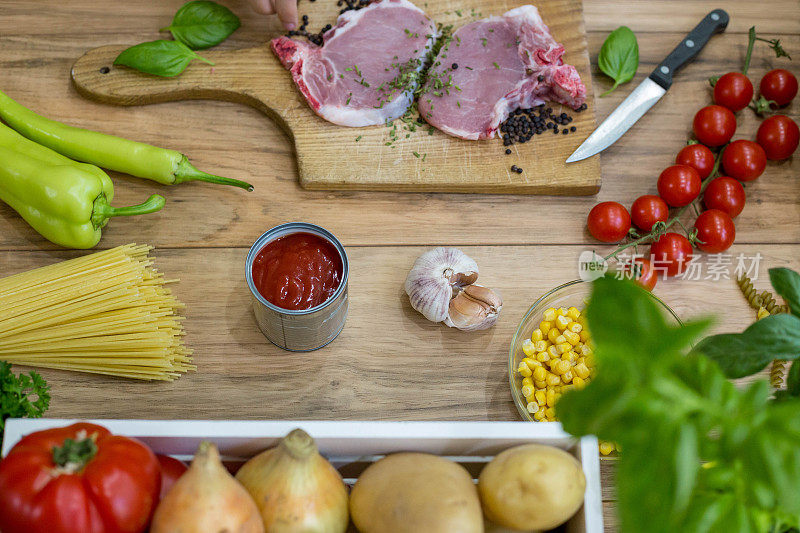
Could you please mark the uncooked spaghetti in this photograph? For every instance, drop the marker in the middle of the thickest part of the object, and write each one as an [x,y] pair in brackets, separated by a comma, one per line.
[104,313]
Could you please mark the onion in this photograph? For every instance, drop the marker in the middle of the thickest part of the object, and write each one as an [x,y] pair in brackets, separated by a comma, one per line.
[206,498]
[295,488]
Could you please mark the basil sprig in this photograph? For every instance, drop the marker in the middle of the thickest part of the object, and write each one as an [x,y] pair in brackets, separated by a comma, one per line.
[699,454]
[619,56]
[202,24]
[160,58]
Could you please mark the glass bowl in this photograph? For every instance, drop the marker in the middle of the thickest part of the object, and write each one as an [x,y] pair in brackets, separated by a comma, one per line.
[574,293]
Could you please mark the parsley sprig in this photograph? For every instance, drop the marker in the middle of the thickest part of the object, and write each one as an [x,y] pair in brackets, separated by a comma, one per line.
[23,396]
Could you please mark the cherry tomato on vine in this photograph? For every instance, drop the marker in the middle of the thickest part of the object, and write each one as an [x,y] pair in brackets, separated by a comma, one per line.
[697,156]
[609,222]
[714,125]
[779,137]
[647,210]
[715,231]
[725,194]
[744,160]
[678,185]
[733,90]
[671,253]
[642,271]
[171,470]
[779,85]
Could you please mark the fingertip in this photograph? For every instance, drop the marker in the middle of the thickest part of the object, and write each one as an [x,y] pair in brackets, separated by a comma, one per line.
[262,7]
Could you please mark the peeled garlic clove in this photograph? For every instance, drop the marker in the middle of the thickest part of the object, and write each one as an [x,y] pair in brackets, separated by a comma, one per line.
[474,308]
[433,277]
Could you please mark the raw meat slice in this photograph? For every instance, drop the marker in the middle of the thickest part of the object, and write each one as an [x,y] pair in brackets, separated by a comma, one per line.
[493,66]
[366,71]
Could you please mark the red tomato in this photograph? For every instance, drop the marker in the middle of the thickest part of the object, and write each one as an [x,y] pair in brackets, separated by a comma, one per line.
[641,270]
[609,222]
[714,125]
[733,90]
[779,137]
[647,210]
[171,470]
[697,156]
[671,253]
[678,185]
[108,484]
[779,85]
[725,194]
[715,231]
[744,160]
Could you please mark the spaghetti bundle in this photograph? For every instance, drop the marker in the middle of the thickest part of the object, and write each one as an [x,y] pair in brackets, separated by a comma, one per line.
[104,313]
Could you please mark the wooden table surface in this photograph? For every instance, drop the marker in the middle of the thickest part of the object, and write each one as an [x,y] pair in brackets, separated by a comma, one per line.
[389,363]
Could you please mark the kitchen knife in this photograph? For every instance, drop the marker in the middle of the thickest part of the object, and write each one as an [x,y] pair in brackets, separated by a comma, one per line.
[652,88]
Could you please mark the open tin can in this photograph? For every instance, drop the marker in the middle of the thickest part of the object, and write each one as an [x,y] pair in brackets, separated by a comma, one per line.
[307,329]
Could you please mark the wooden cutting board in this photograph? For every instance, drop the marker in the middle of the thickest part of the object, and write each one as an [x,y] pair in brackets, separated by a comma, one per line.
[329,157]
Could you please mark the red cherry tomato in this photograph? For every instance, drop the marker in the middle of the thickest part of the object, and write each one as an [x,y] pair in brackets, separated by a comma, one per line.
[641,270]
[697,156]
[779,85]
[779,137]
[78,478]
[678,185]
[715,231]
[734,91]
[647,210]
[171,470]
[725,194]
[671,253]
[744,160]
[609,222]
[714,125]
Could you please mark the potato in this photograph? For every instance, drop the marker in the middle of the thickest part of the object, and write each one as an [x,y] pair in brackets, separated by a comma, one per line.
[415,493]
[531,487]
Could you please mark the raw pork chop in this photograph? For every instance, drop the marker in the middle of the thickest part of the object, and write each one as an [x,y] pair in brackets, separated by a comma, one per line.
[493,66]
[353,79]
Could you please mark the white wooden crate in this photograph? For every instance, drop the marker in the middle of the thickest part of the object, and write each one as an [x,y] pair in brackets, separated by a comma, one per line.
[351,446]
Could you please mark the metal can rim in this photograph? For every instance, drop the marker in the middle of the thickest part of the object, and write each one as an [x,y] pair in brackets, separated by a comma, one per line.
[289,228]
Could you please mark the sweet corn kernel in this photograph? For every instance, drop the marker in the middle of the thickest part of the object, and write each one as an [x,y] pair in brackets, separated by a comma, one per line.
[584,335]
[550,413]
[585,350]
[539,415]
[550,398]
[581,370]
[540,345]
[578,382]
[567,376]
[541,385]
[527,381]
[553,351]
[569,356]
[553,380]
[542,357]
[573,313]
[524,370]
[562,311]
[575,327]
[580,360]
[539,373]
[541,397]
[562,322]
[553,334]
[564,347]
[527,390]
[561,366]
[532,407]
[528,347]
[572,338]
[532,363]
[537,335]
[545,326]
[550,314]
[606,447]
[561,339]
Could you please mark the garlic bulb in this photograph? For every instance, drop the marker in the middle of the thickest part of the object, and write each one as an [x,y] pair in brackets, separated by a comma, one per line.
[441,287]
[436,277]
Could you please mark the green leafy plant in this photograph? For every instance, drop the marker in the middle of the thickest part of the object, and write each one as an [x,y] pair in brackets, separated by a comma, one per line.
[160,58]
[202,24]
[26,395]
[698,453]
[619,56]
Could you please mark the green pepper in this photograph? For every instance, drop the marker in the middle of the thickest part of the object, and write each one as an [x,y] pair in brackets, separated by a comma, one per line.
[14,141]
[167,167]
[67,204]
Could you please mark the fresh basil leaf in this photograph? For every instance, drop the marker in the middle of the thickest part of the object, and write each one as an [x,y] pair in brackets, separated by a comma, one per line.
[202,24]
[687,464]
[787,283]
[160,58]
[793,380]
[746,353]
[619,56]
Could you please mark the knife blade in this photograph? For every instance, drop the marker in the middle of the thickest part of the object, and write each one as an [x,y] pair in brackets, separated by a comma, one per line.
[652,88]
